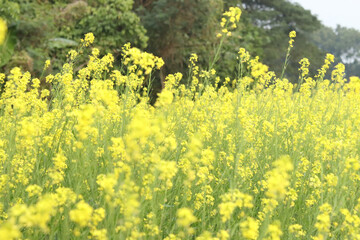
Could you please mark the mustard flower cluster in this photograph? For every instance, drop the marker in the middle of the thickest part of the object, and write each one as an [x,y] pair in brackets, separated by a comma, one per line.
[88,39]
[292,35]
[329,59]
[229,21]
[141,62]
[304,67]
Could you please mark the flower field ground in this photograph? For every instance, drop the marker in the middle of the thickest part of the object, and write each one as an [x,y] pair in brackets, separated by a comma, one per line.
[254,157]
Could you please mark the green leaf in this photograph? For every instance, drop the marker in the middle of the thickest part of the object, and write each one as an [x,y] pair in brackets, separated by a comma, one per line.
[61,43]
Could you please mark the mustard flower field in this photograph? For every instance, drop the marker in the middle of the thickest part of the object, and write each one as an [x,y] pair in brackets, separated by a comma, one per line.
[254,157]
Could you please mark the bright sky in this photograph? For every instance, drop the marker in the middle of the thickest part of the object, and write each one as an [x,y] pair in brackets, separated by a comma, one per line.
[333,12]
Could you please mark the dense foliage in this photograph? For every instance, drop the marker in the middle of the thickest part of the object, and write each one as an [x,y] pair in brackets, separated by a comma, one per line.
[41,30]
[344,43]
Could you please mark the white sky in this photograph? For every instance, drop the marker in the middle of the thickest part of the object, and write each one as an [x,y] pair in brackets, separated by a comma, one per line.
[333,12]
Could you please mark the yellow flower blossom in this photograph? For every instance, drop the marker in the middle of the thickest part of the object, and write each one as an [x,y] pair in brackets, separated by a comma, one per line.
[81,214]
[278,178]
[185,217]
[250,228]
[88,39]
[9,231]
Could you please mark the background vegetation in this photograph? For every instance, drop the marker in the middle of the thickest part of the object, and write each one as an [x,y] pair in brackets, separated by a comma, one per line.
[172,29]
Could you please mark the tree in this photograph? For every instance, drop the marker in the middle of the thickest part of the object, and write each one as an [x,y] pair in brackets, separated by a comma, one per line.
[342,42]
[49,29]
[274,20]
[177,28]
[112,21]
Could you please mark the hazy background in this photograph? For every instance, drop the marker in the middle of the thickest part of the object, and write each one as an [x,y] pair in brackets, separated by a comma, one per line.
[334,12]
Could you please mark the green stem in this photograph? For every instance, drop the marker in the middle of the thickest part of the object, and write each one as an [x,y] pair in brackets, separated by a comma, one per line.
[285,63]
[211,65]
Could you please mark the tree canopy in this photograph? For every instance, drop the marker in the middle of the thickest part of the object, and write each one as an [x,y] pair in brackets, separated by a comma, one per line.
[344,43]
[41,30]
